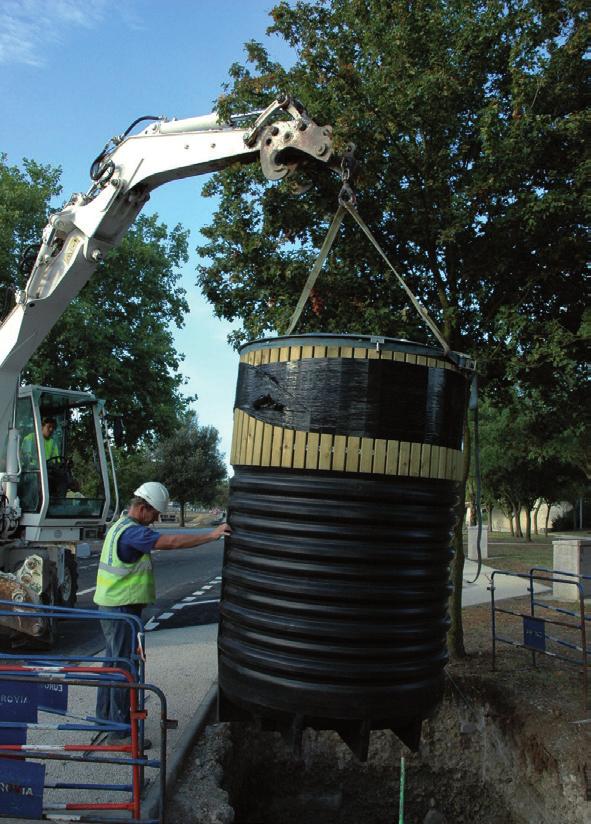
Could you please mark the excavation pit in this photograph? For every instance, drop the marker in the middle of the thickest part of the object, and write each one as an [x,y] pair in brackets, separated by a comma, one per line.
[481,761]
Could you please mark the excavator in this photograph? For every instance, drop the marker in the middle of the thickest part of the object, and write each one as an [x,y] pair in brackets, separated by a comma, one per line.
[57,477]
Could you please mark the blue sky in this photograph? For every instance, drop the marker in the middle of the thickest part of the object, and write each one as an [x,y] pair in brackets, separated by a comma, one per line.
[73,73]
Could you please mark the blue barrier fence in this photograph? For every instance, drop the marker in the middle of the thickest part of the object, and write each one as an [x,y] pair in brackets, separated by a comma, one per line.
[31,683]
[536,633]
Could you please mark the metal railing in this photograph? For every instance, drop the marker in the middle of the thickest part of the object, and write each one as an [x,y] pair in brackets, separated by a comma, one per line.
[535,634]
[55,669]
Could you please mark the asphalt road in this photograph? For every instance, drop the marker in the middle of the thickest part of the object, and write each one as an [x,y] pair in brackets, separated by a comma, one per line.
[187,586]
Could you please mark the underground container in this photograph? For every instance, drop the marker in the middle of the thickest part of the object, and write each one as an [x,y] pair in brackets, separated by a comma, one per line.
[347,461]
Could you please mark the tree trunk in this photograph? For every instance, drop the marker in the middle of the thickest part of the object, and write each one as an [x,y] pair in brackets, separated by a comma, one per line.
[456,631]
[536,513]
[548,505]
[527,523]
[489,513]
[517,516]
[182,503]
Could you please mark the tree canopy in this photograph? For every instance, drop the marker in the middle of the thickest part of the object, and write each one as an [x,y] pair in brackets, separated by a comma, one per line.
[190,464]
[470,121]
[116,338]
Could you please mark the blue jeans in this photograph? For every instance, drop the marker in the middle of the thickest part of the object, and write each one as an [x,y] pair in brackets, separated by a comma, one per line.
[112,704]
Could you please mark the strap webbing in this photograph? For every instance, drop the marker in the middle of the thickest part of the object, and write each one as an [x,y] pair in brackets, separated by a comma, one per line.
[322,255]
[348,205]
[415,302]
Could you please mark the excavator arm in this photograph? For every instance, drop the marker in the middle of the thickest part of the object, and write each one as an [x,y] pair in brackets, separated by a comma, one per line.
[78,237]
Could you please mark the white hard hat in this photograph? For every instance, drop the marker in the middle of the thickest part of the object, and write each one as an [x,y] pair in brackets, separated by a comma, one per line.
[155,494]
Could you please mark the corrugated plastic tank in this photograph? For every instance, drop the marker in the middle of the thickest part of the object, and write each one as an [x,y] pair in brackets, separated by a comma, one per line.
[347,457]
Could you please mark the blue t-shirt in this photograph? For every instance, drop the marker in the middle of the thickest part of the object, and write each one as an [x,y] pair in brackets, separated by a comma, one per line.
[136,541]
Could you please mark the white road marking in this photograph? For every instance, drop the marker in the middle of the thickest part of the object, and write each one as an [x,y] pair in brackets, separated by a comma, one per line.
[199,592]
[152,624]
[196,603]
[207,586]
[85,591]
[165,615]
[189,598]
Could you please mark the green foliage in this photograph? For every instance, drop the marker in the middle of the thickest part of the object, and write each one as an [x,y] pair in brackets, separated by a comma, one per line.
[133,469]
[190,464]
[25,196]
[515,470]
[470,123]
[115,339]
[470,120]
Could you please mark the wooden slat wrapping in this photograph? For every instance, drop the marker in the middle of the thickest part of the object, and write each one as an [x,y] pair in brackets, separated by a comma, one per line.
[366,456]
[255,443]
[233,456]
[379,456]
[404,458]
[312,450]
[257,446]
[339,456]
[266,355]
[250,428]
[415,460]
[267,445]
[392,457]
[425,470]
[299,450]
[352,461]
[276,446]
[287,448]
[325,456]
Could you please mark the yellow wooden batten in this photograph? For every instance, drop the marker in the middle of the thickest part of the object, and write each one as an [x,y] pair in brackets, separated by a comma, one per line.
[257,357]
[256,443]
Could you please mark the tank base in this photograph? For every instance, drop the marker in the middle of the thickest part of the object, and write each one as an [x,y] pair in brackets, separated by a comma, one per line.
[354,732]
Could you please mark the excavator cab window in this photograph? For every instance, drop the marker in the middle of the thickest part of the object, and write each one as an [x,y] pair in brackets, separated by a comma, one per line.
[29,488]
[67,444]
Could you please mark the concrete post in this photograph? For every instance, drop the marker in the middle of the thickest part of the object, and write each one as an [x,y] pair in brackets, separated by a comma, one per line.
[572,555]
[473,540]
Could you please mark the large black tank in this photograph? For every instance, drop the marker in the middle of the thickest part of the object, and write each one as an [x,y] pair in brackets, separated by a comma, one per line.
[347,458]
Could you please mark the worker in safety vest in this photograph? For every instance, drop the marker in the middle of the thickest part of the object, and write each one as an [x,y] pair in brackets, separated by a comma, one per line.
[125,584]
[29,444]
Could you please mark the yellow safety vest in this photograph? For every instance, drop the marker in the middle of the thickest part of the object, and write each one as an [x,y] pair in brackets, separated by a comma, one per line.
[119,584]
[29,448]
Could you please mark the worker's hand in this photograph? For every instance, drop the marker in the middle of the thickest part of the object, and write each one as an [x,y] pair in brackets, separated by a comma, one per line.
[221,532]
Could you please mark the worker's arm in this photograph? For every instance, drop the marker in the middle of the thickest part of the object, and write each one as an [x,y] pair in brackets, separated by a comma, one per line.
[178,541]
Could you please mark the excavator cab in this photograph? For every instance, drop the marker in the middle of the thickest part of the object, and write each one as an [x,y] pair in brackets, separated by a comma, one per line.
[66,488]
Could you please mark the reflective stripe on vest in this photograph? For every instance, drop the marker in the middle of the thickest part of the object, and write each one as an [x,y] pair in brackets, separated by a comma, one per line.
[119,583]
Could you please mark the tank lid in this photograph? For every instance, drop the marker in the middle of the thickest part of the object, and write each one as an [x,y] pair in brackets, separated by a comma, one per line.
[361,341]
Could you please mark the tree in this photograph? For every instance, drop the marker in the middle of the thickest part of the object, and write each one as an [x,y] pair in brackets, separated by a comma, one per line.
[470,118]
[25,196]
[115,339]
[515,472]
[190,463]
[133,469]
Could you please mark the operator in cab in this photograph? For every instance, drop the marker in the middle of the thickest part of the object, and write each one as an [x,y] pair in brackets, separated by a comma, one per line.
[125,584]
[29,445]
